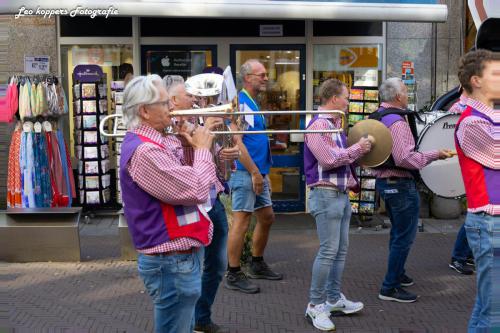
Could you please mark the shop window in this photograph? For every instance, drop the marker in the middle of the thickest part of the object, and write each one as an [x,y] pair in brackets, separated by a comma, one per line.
[108,57]
[177,60]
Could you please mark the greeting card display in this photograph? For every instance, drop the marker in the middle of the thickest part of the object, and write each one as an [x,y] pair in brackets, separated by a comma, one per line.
[90,106]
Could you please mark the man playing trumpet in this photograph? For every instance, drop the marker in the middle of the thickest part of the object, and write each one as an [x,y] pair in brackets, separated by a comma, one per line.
[329,175]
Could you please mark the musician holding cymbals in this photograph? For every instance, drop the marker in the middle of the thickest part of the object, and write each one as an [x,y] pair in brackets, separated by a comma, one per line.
[330,175]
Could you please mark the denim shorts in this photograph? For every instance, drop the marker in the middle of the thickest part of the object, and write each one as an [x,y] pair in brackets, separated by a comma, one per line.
[243,197]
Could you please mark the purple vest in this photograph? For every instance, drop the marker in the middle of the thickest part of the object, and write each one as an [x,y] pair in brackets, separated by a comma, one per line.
[142,211]
[311,167]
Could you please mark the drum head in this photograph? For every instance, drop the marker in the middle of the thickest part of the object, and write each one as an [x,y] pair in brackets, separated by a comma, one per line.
[442,177]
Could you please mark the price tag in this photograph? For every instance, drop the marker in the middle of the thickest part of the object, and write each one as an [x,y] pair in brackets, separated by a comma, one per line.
[47,126]
[38,127]
[27,126]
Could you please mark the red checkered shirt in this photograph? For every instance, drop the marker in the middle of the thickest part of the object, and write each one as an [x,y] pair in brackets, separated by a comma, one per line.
[460,105]
[480,141]
[328,153]
[403,151]
[165,175]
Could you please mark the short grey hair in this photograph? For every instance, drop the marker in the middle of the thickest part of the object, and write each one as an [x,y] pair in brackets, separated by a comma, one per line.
[389,89]
[246,68]
[171,80]
[139,91]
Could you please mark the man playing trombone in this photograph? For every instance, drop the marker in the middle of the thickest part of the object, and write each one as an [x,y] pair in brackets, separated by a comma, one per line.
[162,197]
[215,257]
[250,188]
[330,175]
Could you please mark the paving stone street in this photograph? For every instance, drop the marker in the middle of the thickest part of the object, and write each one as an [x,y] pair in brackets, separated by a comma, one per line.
[104,294]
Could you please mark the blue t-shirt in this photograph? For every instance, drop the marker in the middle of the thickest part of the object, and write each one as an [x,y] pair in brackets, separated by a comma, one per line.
[257,144]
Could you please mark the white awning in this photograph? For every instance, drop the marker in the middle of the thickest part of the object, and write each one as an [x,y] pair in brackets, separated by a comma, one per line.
[388,10]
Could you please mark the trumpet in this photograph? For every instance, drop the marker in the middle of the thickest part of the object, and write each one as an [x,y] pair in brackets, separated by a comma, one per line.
[226,111]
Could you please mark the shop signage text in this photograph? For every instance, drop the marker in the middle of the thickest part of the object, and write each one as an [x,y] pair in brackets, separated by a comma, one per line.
[36,64]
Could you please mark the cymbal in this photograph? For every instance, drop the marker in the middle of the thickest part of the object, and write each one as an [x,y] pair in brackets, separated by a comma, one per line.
[381,144]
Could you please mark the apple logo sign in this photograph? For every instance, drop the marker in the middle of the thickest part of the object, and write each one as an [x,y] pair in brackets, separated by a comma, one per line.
[165,62]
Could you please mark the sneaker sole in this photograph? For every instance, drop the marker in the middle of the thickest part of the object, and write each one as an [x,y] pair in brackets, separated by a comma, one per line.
[388,298]
[246,291]
[262,277]
[347,312]
[458,271]
[309,319]
[407,284]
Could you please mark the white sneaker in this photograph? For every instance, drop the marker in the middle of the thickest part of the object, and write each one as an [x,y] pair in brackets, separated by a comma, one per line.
[344,305]
[320,317]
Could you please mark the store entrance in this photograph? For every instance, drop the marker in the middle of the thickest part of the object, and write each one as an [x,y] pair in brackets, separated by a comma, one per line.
[285,65]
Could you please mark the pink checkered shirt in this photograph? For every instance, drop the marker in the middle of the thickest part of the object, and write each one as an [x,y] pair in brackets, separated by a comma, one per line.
[480,141]
[460,105]
[328,153]
[165,175]
[403,151]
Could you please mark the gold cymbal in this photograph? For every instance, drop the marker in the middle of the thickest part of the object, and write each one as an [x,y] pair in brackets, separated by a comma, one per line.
[381,144]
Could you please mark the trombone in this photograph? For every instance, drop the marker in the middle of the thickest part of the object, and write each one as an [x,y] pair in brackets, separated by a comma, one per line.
[225,110]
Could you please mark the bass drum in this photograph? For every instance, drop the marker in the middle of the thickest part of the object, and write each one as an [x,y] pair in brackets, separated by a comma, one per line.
[442,177]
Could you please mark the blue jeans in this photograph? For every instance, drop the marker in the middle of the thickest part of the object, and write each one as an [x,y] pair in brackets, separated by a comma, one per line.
[243,197]
[402,204]
[332,213]
[479,229]
[174,284]
[461,251]
[214,264]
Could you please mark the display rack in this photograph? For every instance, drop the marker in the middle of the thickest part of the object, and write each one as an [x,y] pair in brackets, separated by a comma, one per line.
[92,150]
[362,102]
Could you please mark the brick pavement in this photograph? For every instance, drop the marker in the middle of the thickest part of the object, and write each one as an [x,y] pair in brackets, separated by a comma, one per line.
[103,294]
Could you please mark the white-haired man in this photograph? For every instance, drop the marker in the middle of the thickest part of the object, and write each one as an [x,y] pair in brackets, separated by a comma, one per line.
[215,258]
[162,197]
[396,186]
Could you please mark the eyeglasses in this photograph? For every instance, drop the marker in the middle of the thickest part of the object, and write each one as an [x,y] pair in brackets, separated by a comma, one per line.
[261,75]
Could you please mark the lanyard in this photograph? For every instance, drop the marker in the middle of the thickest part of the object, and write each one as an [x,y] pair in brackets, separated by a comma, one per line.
[254,104]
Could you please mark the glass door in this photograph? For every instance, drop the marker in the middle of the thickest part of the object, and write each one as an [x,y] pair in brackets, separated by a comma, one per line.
[285,65]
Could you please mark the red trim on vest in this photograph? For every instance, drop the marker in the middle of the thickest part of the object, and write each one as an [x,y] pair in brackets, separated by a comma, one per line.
[196,230]
[472,173]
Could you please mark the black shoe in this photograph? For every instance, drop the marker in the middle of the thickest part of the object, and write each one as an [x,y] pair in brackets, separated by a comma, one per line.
[471,262]
[260,270]
[406,281]
[398,295]
[460,267]
[239,281]
[210,328]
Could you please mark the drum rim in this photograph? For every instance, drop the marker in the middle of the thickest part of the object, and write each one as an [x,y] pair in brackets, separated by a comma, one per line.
[419,140]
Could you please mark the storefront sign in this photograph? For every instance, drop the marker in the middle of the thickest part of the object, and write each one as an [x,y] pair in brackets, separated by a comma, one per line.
[87,73]
[169,63]
[36,64]
[271,30]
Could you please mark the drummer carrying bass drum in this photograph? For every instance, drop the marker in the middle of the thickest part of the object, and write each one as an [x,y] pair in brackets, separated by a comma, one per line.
[396,186]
